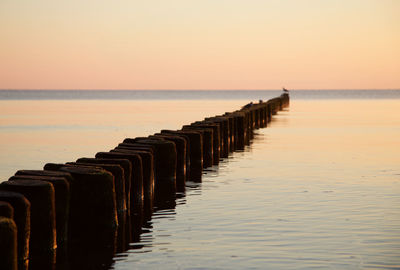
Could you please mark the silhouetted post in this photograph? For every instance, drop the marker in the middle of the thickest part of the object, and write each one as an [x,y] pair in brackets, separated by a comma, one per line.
[42,245]
[224,133]
[127,169]
[119,188]
[240,129]
[208,137]
[285,99]
[22,218]
[232,129]
[62,198]
[136,192]
[148,176]
[93,211]
[8,246]
[6,210]
[181,152]
[93,215]
[196,151]
[148,169]
[165,166]
[216,137]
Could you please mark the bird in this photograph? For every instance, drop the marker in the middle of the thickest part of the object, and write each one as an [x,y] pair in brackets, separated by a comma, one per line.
[285,90]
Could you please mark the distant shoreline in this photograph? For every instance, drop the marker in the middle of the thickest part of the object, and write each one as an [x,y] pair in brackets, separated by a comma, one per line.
[254,95]
[293,90]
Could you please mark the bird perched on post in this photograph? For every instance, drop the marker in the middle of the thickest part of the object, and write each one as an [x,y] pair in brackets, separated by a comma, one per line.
[285,90]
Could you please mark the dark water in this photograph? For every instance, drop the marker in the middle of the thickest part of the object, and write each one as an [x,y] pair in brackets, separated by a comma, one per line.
[319,188]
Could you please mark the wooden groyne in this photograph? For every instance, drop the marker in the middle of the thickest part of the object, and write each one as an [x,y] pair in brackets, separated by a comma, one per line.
[77,215]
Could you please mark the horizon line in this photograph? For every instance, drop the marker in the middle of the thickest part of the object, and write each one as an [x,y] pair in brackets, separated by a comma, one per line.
[104,89]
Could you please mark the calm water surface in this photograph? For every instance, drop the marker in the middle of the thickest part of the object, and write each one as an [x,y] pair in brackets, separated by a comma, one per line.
[319,188]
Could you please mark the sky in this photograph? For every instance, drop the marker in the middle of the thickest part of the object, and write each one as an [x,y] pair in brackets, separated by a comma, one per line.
[208,44]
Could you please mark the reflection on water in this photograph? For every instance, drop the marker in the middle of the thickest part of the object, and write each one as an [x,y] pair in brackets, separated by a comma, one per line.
[34,132]
[318,188]
[155,238]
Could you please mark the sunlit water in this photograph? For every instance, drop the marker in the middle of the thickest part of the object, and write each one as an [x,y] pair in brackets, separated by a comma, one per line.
[318,188]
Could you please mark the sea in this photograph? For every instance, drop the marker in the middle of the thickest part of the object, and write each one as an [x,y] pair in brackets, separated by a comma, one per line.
[319,188]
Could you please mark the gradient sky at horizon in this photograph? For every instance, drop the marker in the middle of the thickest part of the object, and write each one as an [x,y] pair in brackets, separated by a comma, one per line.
[209,44]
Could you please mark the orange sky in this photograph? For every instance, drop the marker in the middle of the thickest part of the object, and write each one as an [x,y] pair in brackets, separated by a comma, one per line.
[208,44]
